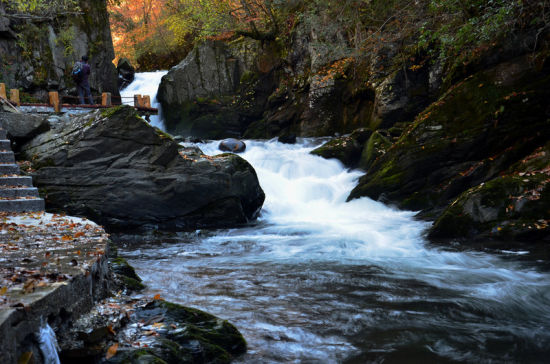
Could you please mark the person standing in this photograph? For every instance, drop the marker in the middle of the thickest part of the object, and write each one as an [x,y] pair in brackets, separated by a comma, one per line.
[81,73]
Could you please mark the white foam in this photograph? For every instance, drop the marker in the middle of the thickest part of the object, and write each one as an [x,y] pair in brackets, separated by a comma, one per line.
[146,83]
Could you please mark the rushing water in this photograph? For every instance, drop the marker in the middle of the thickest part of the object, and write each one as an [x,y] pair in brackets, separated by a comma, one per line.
[319,280]
[47,342]
[145,83]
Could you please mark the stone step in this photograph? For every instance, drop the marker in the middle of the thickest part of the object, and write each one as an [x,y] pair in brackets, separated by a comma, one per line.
[3,134]
[5,144]
[22,205]
[25,181]
[7,157]
[19,192]
[9,169]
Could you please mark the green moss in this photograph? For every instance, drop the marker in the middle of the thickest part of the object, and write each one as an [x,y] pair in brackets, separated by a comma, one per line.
[248,77]
[375,147]
[107,113]
[163,135]
[132,284]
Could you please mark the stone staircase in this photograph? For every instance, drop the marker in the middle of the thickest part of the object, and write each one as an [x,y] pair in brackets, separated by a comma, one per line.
[16,192]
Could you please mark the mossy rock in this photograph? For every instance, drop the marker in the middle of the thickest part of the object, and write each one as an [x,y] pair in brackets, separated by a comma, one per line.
[194,337]
[127,274]
[347,149]
[515,206]
[376,146]
[480,127]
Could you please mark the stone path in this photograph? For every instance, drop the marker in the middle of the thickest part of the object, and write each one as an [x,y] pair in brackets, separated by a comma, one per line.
[16,192]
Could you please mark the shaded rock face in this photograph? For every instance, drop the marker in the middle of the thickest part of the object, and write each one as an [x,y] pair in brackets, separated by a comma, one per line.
[463,143]
[514,206]
[42,55]
[209,71]
[23,127]
[126,73]
[116,169]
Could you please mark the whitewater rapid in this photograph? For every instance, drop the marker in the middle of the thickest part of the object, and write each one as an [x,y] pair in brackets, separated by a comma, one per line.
[146,83]
[319,279]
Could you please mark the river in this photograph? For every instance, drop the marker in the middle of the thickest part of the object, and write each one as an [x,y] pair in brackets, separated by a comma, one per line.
[319,280]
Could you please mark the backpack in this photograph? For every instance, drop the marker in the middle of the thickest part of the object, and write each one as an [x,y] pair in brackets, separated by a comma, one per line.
[77,72]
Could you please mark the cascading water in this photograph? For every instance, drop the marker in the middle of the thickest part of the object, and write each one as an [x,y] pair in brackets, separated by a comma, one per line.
[321,279]
[317,279]
[47,343]
[145,83]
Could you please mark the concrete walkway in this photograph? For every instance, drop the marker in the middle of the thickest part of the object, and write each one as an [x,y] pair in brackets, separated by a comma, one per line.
[52,269]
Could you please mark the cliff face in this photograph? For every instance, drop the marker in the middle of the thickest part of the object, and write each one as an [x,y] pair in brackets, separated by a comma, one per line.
[37,54]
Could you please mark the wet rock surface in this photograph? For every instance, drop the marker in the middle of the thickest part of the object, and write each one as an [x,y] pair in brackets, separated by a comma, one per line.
[347,149]
[122,329]
[116,156]
[232,145]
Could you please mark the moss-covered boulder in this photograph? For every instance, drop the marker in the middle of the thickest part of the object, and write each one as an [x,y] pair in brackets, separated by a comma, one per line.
[347,149]
[514,206]
[182,335]
[473,133]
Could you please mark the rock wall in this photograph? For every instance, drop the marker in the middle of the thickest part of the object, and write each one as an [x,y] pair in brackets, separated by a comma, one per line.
[37,56]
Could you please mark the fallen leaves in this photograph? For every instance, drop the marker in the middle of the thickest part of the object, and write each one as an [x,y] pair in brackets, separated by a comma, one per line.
[111,351]
[38,250]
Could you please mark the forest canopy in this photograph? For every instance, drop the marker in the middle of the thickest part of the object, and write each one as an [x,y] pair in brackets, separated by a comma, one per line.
[158,33]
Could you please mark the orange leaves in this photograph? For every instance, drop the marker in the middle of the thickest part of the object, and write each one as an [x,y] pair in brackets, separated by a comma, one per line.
[111,351]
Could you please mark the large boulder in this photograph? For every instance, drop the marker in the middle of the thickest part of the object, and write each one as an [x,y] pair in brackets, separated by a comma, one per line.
[209,72]
[114,168]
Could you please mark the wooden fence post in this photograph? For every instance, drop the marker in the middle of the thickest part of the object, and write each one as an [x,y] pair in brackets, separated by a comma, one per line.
[3,91]
[137,100]
[14,97]
[54,100]
[106,99]
[146,101]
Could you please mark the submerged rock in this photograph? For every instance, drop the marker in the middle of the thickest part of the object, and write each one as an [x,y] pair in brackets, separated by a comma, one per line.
[232,145]
[114,168]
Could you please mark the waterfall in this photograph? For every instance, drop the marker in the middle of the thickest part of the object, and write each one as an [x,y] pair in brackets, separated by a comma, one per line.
[47,342]
[146,83]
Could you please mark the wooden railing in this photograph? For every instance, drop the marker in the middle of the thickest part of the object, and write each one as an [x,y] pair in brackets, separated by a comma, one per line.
[141,102]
